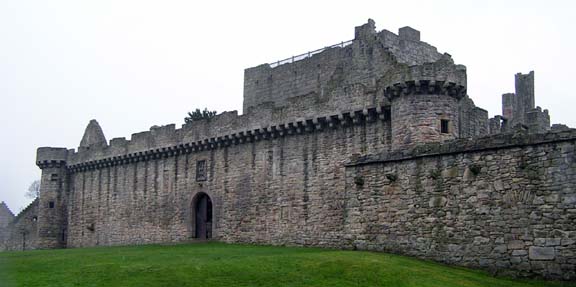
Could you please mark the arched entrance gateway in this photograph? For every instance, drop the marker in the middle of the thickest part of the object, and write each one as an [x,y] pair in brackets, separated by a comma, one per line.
[202,216]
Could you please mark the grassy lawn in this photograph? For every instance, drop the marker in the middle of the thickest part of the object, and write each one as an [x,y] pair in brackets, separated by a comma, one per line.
[218,264]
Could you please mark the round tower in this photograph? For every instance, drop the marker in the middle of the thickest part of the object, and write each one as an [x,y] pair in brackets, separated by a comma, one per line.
[424,111]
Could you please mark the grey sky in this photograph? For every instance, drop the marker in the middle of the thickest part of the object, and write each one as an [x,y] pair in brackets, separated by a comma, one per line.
[134,64]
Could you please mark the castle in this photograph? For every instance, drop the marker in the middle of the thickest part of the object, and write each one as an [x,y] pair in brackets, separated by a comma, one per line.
[368,144]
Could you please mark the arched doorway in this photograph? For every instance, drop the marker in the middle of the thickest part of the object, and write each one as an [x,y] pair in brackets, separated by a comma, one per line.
[202,216]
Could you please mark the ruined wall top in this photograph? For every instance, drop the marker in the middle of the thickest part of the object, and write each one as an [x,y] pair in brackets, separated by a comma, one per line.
[519,109]
[337,84]
[361,61]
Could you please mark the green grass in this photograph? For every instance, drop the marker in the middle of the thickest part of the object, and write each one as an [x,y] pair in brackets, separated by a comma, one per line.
[218,264]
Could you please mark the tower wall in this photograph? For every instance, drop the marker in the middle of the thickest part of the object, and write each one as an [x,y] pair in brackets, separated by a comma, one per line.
[53,198]
[473,121]
[417,118]
[524,95]
[364,60]
[517,106]
[509,106]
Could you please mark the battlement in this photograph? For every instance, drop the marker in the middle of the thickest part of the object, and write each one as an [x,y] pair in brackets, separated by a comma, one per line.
[363,60]
[442,74]
[167,141]
[346,83]
[49,156]
[423,87]
[378,125]
[409,34]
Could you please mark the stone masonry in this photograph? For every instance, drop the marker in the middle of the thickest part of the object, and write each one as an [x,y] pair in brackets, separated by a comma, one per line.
[369,144]
[21,232]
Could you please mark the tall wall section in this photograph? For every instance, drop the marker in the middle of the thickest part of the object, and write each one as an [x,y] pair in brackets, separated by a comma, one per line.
[473,121]
[276,185]
[505,203]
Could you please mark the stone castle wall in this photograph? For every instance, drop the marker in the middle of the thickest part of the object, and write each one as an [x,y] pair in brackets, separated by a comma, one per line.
[22,232]
[505,203]
[332,150]
[279,188]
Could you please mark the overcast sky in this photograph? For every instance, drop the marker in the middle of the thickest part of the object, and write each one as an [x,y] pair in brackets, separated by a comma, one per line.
[135,64]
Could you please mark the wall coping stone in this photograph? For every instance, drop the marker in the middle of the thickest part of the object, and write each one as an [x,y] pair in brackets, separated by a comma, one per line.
[466,145]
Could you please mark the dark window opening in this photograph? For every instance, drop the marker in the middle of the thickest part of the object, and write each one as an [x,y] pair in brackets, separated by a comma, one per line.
[51,204]
[201,170]
[54,177]
[387,113]
[35,218]
[444,124]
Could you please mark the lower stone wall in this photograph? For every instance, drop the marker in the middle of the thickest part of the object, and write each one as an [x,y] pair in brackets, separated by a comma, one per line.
[22,233]
[510,209]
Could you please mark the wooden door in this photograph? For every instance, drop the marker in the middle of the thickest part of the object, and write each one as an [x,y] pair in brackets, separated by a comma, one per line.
[203,217]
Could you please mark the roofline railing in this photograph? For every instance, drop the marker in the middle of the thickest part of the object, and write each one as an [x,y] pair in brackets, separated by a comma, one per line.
[309,54]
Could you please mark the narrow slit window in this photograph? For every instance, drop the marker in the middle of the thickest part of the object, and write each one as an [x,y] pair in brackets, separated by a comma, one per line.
[51,204]
[444,126]
[201,170]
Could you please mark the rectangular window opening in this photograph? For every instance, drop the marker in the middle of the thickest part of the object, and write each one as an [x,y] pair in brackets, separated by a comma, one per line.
[201,170]
[54,177]
[444,126]
[284,212]
[51,204]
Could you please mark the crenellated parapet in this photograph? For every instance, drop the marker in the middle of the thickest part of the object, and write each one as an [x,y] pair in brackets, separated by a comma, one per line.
[381,124]
[48,157]
[425,87]
[441,71]
[424,102]
[97,159]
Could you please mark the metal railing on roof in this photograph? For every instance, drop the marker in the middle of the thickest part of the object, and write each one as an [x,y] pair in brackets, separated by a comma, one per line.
[309,54]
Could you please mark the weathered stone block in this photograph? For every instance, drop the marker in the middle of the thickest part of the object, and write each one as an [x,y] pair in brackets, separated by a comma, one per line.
[519,252]
[541,253]
[516,244]
[437,201]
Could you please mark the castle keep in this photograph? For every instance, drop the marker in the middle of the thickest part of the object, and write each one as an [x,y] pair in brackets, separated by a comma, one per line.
[369,144]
